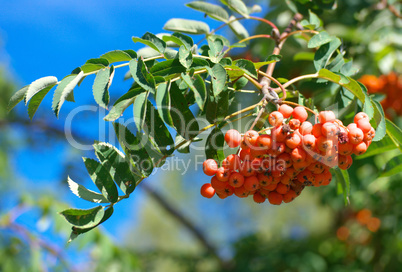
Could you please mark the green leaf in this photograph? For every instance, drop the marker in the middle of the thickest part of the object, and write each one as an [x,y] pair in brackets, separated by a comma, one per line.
[157,131]
[306,56]
[185,57]
[217,106]
[214,11]
[214,145]
[101,85]
[84,218]
[122,104]
[218,78]
[237,6]
[313,23]
[348,69]
[254,9]
[162,99]
[115,162]
[119,55]
[351,85]
[392,167]
[84,193]
[167,69]
[138,72]
[269,60]
[367,105]
[197,86]
[186,26]
[152,41]
[94,65]
[379,118]
[342,177]
[240,83]
[180,39]
[380,147]
[64,89]
[395,133]
[37,99]
[238,29]
[140,109]
[38,85]
[324,53]
[247,66]
[336,64]
[183,119]
[17,98]
[319,39]
[102,179]
[216,44]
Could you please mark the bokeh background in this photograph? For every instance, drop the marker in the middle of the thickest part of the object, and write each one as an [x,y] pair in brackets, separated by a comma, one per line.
[166,225]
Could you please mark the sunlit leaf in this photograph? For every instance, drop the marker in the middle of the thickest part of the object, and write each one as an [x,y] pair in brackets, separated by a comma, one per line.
[17,98]
[214,11]
[38,85]
[185,57]
[84,193]
[319,39]
[237,6]
[392,167]
[197,86]
[119,55]
[101,86]
[180,39]
[379,118]
[162,99]
[140,109]
[238,29]
[324,53]
[84,218]
[152,41]
[137,70]
[94,65]
[395,133]
[186,26]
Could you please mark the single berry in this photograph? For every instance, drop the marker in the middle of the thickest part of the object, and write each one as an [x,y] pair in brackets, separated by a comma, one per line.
[286,110]
[359,116]
[305,128]
[275,198]
[236,180]
[250,137]
[207,190]
[210,167]
[251,183]
[275,118]
[232,138]
[258,198]
[326,116]
[294,124]
[300,113]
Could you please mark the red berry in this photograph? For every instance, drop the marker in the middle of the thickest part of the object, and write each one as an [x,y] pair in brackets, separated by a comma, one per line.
[250,137]
[210,167]
[275,198]
[207,190]
[232,138]
[258,198]
[236,180]
[251,183]
[355,135]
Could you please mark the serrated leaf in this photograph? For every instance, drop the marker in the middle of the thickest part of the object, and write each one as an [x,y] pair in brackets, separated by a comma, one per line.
[325,52]
[152,41]
[214,145]
[101,86]
[94,65]
[179,39]
[77,231]
[37,99]
[379,118]
[183,119]
[238,29]
[247,66]
[115,162]
[38,85]
[162,99]
[237,6]
[185,57]
[64,89]
[392,167]
[102,179]
[319,39]
[84,193]
[197,86]
[214,11]
[342,177]
[17,98]
[140,109]
[119,55]
[218,78]
[269,60]
[137,70]
[122,104]
[84,218]
[395,133]
[186,26]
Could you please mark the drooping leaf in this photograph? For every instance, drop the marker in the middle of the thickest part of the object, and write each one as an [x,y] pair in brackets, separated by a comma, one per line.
[218,78]
[102,179]
[395,133]
[137,70]
[65,89]
[101,86]
[214,11]
[342,177]
[237,6]
[119,55]
[122,104]
[94,65]
[392,167]
[186,26]
[319,39]
[185,57]
[84,218]
[214,145]
[38,85]
[152,41]
[114,161]
[84,193]
[17,98]
[324,53]
[140,109]
[379,118]
[247,66]
[37,99]
[162,99]
[183,119]
[180,39]
[197,86]
[238,29]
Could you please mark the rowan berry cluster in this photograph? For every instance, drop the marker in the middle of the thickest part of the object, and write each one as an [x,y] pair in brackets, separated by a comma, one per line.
[279,163]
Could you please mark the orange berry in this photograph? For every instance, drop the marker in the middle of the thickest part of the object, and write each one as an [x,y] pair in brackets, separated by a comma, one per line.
[306,177]
[207,190]
[294,124]
[236,180]
[250,137]
[326,116]
[369,135]
[210,167]
[275,198]
[345,162]
[317,130]
[351,126]
[364,125]
[258,198]
[298,154]
[245,154]
[246,169]
[251,183]
[359,116]
[363,216]
[264,179]
[282,188]
[223,174]
[275,118]
[329,129]
[277,148]
[241,192]
[257,152]
[342,233]
[305,128]
[270,187]
[300,113]
[324,144]
[232,138]
[301,165]
[327,177]
[217,184]
[345,149]
[278,134]
[293,140]
[355,136]
[373,224]
[284,159]
[309,141]
[289,196]
[264,141]
[233,162]
[286,110]
[360,148]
